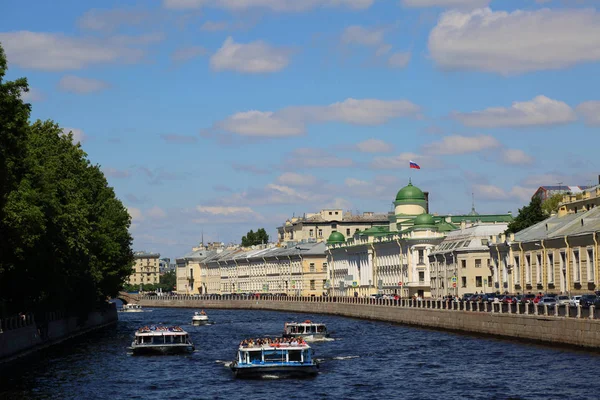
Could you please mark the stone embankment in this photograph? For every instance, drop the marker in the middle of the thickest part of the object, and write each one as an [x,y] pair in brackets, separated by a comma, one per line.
[564,325]
[22,335]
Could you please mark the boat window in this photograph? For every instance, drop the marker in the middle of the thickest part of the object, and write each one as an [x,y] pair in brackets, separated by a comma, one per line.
[255,356]
[295,355]
[320,328]
[274,356]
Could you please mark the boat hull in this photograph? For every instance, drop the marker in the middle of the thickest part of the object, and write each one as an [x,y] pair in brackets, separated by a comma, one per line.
[280,371]
[308,338]
[162,349]
[128,311]
[199,321]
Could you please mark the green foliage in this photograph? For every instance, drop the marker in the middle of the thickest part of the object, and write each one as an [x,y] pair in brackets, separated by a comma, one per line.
[65,242]
[168,281]
[528,216]
[550,205]
[253,238]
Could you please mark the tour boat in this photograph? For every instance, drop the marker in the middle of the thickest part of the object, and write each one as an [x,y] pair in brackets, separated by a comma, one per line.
[199,318]
[131,307]
[286,358]
[308,330]
[161,340]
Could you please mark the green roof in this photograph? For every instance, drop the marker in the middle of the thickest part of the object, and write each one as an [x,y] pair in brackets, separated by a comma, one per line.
[410,192]
[335,238]
[424,220]
[376,231]
[482,218]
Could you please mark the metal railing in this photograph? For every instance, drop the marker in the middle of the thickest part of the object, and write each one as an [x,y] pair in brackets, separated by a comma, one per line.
[558,311]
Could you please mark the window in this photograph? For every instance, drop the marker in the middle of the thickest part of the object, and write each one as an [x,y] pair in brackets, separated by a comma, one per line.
[550,268]
[517,264]
[320,232]
[463,281]
[421,277]
[421,261]
[478,282]
[336,213]
[312,284]
[489,262]
[576,266]
[489,281]
[484,242]
[312,267]
[329,212]
[348,232]
[333,226]
[538,270]
[310,233]
[463,263]
[478,263]
[324,266]
[528,269]
[590,265]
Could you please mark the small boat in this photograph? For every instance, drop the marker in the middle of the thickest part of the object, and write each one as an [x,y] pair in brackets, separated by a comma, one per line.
[199,318]
[308,330]
[161,340]
[131,307]
[288,358]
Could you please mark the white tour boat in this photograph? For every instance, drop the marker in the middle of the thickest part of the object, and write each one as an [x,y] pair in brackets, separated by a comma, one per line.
[281,357]
[308,330]
[161,340]
[199,318]
[131,307]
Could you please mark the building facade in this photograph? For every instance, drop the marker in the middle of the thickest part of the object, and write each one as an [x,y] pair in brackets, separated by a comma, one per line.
[146,269]
[316,227]
[395,259]
[462,262]
[557,255]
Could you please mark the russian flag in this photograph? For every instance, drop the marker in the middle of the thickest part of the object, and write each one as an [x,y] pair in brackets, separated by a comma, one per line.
[414,165]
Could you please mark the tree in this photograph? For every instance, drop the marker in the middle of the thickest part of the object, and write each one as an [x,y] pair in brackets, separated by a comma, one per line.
[168,281]
[254,238]
[528,216]
[550,205]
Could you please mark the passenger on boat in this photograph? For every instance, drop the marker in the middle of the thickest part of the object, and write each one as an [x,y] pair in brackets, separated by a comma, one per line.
[270,342]
[202,312]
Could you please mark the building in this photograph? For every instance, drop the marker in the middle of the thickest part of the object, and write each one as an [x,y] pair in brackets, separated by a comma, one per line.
[557,255]
[461,263]
[316,227]
[395,258]
[545,192]
[165,266]
[145,269]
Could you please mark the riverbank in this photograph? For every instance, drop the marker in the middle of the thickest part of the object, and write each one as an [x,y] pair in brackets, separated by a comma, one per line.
[521,323]
[20,338]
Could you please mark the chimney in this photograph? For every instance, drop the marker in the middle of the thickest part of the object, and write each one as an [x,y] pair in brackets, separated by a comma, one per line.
[427,200]
[598,179]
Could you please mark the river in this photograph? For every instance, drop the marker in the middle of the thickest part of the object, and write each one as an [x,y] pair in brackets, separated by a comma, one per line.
[366,360]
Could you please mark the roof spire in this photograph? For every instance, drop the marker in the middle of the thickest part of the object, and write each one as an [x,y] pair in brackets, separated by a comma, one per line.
[409,181]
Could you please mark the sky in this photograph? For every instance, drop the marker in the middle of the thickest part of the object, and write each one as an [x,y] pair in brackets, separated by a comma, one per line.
[214,117]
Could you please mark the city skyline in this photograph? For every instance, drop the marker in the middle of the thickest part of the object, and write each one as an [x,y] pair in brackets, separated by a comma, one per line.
[220,117]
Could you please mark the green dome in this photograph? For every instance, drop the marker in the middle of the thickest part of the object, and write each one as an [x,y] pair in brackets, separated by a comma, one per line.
[424,219]
[336,237]
[410,192]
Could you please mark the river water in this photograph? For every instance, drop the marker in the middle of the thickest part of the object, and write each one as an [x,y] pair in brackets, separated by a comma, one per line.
[366,360]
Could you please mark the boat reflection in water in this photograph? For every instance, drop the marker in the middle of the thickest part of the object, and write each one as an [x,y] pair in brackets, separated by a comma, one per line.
[161,340]
[289,358]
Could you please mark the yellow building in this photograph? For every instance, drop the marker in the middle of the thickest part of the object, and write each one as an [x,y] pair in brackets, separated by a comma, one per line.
[146,269]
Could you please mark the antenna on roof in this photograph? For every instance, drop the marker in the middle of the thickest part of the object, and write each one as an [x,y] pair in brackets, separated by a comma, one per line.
[202,237]
[472,201]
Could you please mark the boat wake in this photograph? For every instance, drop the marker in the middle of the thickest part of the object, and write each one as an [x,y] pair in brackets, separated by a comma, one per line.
[270,377]
[345,357]
[224,363]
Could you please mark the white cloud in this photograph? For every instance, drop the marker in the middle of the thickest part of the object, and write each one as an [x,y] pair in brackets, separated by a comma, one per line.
[357,34]
[539,111]
[374,146]
[493,192]
[78,134]
[253,58]
[76,84]
[522,193]
[295,179]
[353,182]
[402,161]
[590,111]
[292,121]
[517,42]
[187,53]
[457,144]
[516,157]
[116,173]
[136,214]
[446,3]
[111,19]
[272,5]
[399,60]
[57,52]
[307,157]
[214,26]
[220,210]
[156,213]
[32,95]
[338,203]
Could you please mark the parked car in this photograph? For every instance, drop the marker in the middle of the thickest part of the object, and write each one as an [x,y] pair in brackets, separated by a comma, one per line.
[562,300]
[528,298]
[587,300]
[574,302]
[548,301]
[538,298]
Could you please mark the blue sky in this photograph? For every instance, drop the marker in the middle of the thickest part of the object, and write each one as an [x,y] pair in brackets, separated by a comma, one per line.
[220,116]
